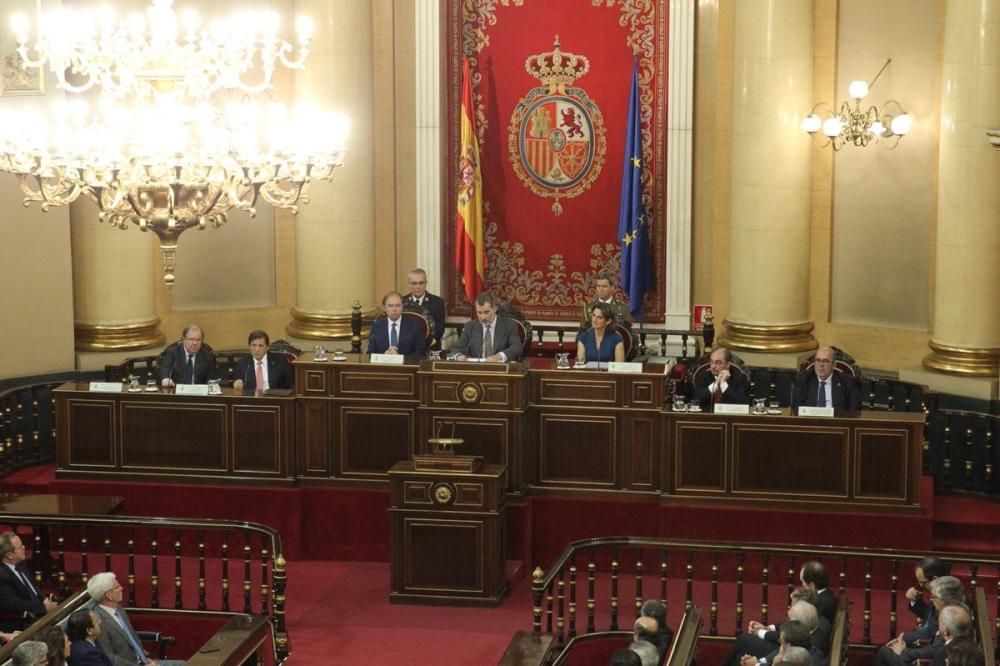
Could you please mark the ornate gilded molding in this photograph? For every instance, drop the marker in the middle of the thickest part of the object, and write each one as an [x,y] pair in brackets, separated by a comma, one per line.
[963,361]
[117,337]
[768,337]
[324,326]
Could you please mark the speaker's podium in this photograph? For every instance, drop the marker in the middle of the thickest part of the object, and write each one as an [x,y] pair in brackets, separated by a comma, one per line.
[448,518]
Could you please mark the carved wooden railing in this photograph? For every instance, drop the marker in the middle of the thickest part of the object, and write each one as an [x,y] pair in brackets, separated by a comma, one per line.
[185,565]
[962,451]
[610,577]
[27,426]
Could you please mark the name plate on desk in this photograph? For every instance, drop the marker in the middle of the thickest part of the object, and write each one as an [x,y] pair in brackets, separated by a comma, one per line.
[723,408]
[106,387]
[392,359]
[816,411]
[191,389]
[615,366]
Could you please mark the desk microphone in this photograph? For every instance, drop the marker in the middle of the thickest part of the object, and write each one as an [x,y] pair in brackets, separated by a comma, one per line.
[246,375]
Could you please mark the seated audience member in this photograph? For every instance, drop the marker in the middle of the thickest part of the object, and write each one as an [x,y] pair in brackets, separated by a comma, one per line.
[760,641]
[394,333]
[793,633]
[626,658]
[820,635]
[604,292]
[962,652]
[814,575]
[925,571]
[793,656]
[416,279]
[719,384]
[30,653]
[261,370]
[822,387]
[655,609]
[18,594]
[947,595]
[83,628]
[600,342]
[186,362]
[58,646]
[647,629]
[647,653]
[117,639]
[488,336]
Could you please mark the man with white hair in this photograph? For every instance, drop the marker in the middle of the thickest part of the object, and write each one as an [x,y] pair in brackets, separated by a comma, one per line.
[30,653]
[646,651]
[118,640]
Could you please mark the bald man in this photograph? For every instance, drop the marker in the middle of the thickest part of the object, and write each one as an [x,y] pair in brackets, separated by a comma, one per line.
[822,387]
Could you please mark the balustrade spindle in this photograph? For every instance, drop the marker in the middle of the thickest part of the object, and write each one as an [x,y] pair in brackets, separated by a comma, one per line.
[280,634]
[764,573]
[893,589]
[131,566]
[591,603]
[178,578]
[107,549]
[265,588]
[52,410]
[202,603]
[663,579]
[996,623]
[614,592]
[973,583]
[549,604]
[946,451]
[740,559]
[892,400]
[572,600]
[868,601]
[638,583]
[19,430]
[561,608]
[84,568]
[36,453]
[968,457]
[988,469]
[790,577]
[537,576]
[225,571]
[36,559]
[843,574]
[154,579]
[714,624]
[247,583]
[60,533]
[684,345]
[689,581]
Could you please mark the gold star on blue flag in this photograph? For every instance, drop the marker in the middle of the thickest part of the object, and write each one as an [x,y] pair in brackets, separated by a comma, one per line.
[633,228]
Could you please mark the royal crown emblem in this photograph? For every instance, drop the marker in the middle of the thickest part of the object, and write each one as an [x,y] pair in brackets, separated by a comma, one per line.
[556,137]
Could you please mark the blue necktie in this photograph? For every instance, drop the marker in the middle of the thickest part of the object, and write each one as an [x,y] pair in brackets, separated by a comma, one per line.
[189,371]
[393,338]
[133,640]
[821,399]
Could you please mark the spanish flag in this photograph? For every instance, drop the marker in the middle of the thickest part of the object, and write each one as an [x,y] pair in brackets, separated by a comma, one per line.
[470,252]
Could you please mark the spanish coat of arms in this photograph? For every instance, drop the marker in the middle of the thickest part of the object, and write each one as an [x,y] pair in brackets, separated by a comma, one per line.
[556,137]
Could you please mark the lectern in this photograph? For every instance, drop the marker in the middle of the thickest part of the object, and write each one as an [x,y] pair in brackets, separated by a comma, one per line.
[448,523]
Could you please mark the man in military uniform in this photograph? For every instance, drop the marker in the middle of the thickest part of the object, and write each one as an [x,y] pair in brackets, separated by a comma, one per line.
[604,292]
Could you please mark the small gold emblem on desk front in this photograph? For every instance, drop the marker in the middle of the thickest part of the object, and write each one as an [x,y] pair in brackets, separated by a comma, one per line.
[470,393]
[443,493]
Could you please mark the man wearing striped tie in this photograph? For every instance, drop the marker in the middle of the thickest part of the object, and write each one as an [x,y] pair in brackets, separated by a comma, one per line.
[118,640]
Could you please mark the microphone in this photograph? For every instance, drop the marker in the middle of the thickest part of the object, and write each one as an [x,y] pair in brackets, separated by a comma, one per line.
[246,375]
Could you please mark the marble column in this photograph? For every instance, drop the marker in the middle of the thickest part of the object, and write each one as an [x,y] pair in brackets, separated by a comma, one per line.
[335,232]
[966,338]
[770,178]
[114,273]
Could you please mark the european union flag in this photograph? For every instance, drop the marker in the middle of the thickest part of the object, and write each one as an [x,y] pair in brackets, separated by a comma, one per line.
[633,218]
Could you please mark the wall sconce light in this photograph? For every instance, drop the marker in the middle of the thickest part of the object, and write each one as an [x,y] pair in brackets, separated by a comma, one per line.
[854,126]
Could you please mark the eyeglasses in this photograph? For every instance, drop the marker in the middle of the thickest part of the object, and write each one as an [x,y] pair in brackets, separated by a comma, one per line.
[193,339]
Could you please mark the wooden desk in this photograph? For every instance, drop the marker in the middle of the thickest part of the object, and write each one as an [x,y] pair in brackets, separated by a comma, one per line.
[163,435]
[17,505]
[594,429]
[867,460]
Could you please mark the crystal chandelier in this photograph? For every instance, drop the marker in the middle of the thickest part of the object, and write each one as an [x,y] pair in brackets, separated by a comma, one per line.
[853,125]
[174,140]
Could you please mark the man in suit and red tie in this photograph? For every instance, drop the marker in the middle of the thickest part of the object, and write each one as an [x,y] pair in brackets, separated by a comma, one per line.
[19,598]
[822,387]
[394,333]
[262,371]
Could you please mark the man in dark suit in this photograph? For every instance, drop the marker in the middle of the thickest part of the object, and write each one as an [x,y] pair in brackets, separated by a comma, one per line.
[815,576]
[488,337]
[926,571]
[394,333]
[262,371]
[955,622]
[431,304]
[187,362]
[604,292]
[83,628]
[838,390]
[117,639]
[720,384]
[19,598]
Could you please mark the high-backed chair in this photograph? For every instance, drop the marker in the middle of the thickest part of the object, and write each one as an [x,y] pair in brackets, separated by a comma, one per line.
[523,325]
[843,363]
[703,365]
[423,318]
[629,339]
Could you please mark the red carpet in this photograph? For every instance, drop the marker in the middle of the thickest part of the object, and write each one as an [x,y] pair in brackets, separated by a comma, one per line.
[339,613]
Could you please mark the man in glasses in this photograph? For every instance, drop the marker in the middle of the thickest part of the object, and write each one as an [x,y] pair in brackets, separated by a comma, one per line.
[188,361]
[823,387]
